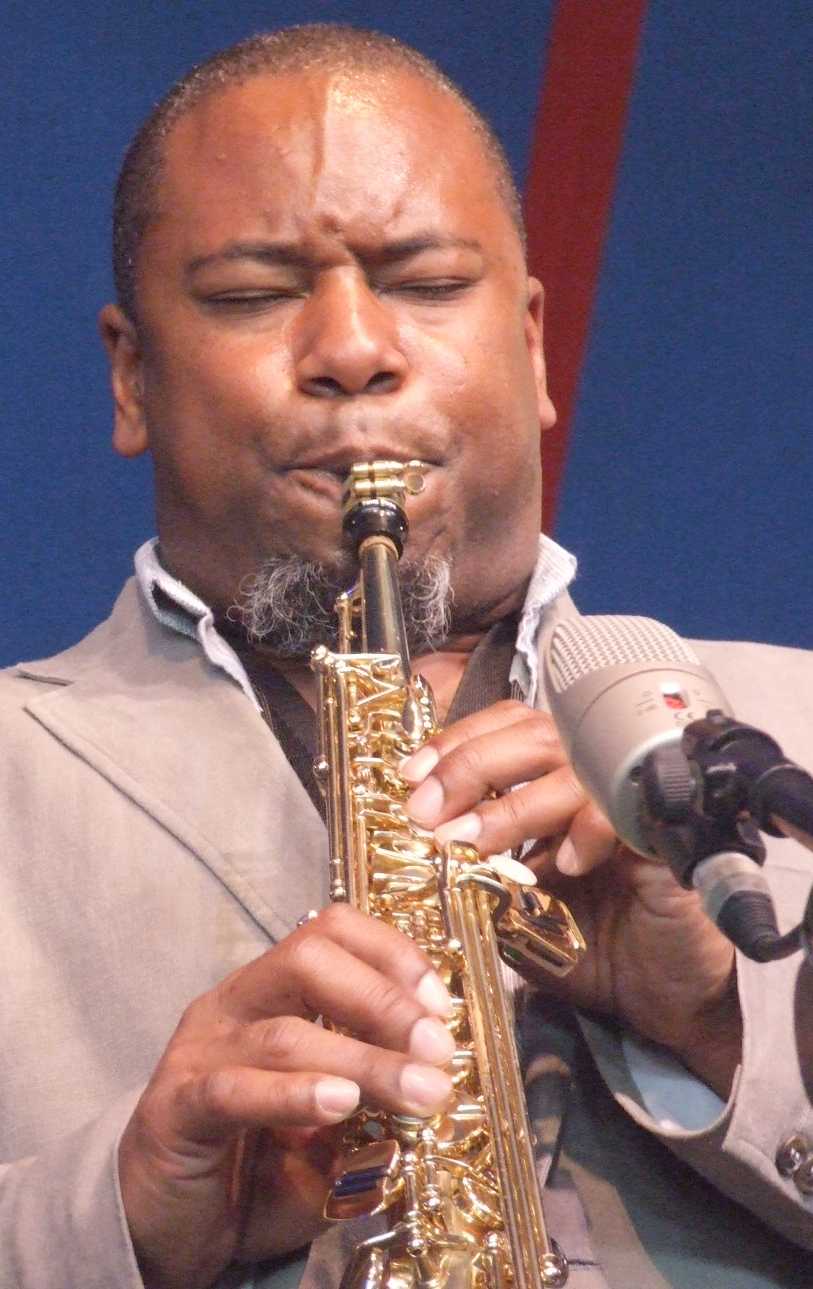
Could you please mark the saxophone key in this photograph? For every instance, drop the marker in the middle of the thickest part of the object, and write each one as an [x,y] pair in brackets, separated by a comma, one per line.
[368,1182]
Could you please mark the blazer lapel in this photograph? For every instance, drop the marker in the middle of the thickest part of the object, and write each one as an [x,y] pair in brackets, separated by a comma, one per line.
[147,711]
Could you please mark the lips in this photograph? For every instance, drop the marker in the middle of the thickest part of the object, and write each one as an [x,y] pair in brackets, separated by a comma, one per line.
[339,463]
[326,477]
[325,482]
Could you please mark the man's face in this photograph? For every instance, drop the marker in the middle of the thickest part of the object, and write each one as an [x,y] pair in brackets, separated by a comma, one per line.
[332,276]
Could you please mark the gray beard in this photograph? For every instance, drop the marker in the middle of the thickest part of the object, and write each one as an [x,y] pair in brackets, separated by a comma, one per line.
[288,605]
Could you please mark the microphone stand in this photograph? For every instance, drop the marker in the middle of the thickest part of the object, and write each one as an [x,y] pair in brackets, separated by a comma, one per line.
[703,804]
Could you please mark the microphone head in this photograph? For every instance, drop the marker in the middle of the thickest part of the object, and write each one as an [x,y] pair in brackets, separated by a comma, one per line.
[619,687]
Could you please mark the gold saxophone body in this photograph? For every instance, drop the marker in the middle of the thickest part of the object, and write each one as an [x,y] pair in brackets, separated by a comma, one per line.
[459,1189]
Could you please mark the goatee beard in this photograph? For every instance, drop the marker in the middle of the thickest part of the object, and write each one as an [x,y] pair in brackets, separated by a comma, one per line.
[288,606]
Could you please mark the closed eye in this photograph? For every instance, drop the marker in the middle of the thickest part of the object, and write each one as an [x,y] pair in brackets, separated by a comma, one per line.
[429,290]
[248,297]
[250,301]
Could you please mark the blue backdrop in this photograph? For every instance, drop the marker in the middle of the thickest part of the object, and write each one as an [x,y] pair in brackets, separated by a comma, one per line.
[690,464]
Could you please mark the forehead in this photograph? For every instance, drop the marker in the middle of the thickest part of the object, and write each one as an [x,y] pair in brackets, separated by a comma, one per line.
[355,152]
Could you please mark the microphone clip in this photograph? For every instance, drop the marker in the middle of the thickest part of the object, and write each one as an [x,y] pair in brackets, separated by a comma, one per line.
[703,803]
[691,808]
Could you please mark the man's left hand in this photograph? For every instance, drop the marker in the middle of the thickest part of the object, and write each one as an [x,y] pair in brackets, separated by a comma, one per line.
[654,960]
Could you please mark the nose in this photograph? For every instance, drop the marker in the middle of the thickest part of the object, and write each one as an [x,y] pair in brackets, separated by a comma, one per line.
[346,342]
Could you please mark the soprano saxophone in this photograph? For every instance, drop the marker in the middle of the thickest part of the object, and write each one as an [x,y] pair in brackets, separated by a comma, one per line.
[459,1188]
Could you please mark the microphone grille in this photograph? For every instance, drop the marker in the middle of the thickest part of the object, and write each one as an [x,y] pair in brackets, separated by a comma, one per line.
[580,646]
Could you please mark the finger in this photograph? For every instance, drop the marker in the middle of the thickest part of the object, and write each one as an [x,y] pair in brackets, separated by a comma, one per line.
[491,761]
[288,1044]
[343,964]
[367,939]
[498,716]
[246,1097]
[309,974]
[243,1096]
[590,842]
[388,950]
[545,806]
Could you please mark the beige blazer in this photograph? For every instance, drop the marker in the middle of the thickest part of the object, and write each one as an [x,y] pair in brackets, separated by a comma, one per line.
[153,839]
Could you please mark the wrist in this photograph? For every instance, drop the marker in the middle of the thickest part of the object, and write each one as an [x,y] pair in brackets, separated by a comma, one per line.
[712,1048]
[167,1238]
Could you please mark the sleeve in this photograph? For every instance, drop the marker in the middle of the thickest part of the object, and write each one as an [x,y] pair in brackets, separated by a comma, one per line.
[758,1148]
[62,1221]
[61,1216]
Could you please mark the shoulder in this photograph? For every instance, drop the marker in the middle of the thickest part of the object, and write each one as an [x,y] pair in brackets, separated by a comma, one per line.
[752,658]
[770,686]
[129,633]
[67,664]
[754,666]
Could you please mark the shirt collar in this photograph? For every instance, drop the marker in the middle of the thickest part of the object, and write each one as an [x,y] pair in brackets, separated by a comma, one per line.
[554,571]
[179,609]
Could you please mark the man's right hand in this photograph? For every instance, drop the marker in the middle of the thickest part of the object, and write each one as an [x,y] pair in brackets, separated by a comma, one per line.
[228,1153]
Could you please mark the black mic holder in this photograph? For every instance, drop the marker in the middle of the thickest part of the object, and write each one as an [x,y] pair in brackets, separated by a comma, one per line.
[710,797]
[744,769]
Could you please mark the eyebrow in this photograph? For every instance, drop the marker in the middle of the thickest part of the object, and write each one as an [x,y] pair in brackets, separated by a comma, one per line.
[291,255]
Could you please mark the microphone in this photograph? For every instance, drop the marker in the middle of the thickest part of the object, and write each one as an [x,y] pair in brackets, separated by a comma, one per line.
[651,736]
[620,687]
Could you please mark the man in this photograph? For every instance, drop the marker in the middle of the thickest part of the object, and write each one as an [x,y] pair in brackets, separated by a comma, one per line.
[306,280]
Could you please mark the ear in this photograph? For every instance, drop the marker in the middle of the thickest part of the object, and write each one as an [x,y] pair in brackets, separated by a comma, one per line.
[534,339]
[126,377]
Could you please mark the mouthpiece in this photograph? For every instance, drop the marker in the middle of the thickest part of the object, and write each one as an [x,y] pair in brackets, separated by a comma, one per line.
[374,500]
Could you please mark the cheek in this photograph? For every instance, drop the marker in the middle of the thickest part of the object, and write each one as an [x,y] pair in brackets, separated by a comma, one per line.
[469,356]
[481,386]
[495,394]
[210,389]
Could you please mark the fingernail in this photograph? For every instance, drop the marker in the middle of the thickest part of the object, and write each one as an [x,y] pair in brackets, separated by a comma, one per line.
[430,1041]
[424,1088]
[433,995]
[567,861]
[464,828]
[416,767]
[337,1097]
[426,803]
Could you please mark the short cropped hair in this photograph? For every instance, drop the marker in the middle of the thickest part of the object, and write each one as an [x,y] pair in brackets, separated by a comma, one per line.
[293,49]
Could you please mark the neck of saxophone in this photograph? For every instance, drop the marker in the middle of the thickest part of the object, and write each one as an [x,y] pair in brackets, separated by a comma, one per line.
[382,618]
[374,518]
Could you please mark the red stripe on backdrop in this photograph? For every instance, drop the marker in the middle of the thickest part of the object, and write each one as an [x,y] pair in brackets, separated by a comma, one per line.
[577,144]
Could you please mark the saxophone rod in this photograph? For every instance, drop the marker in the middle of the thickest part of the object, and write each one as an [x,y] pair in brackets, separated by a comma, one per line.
[537,1261]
